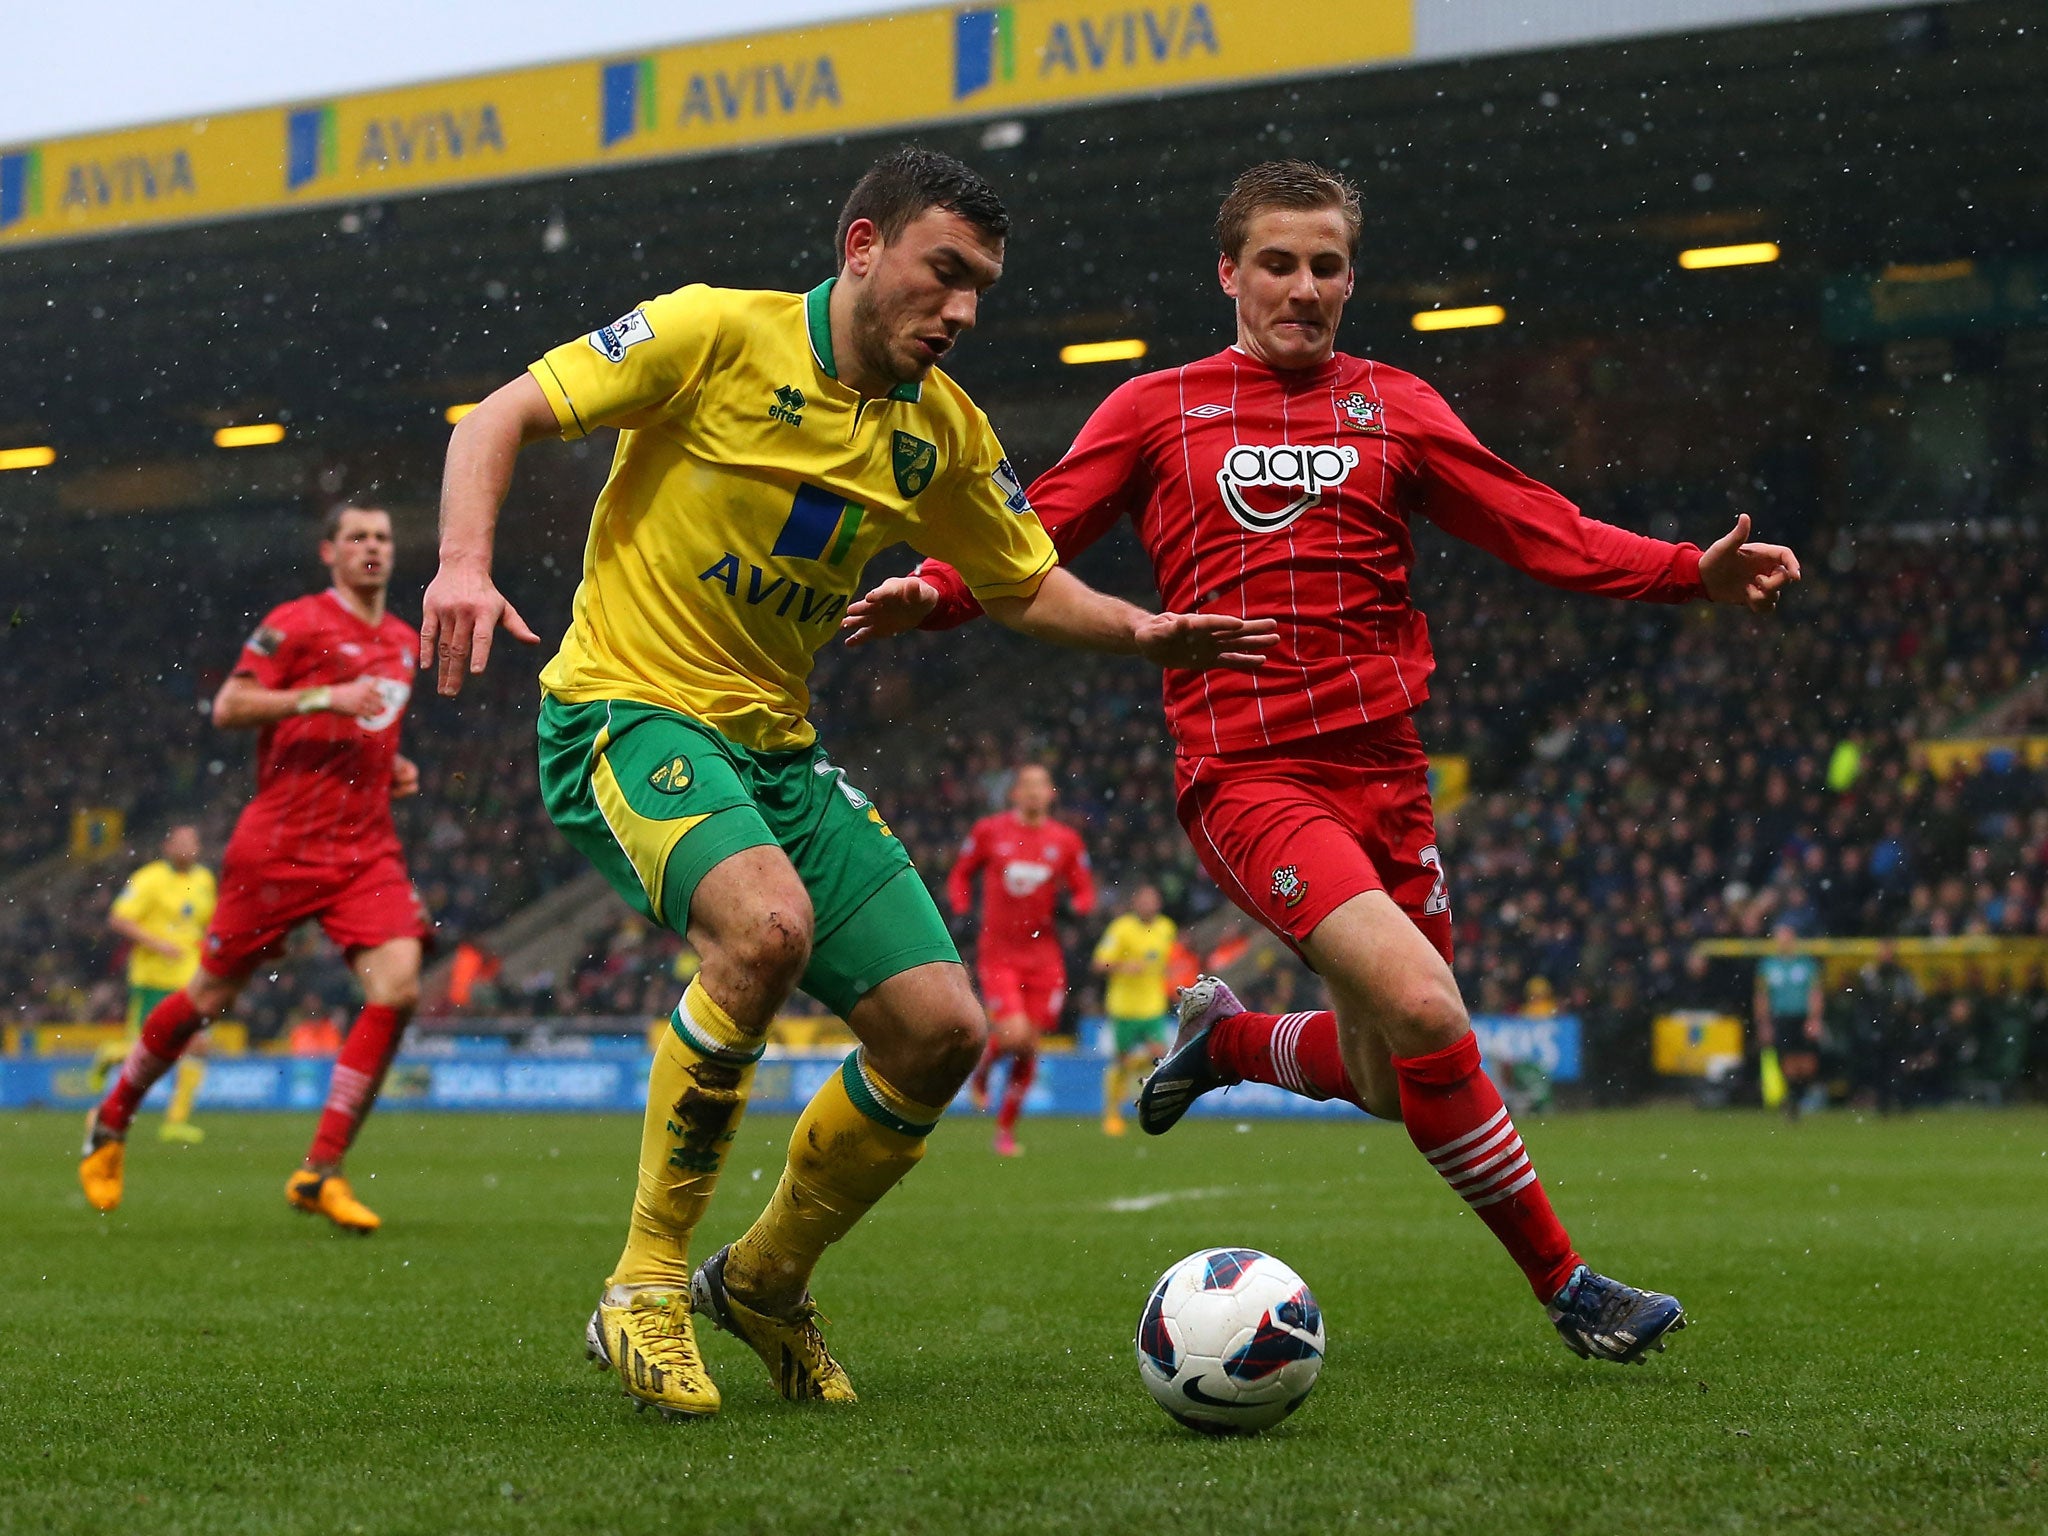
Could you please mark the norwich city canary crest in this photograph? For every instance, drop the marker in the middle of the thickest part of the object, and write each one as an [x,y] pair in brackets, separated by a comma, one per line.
[916,462]
[672,777]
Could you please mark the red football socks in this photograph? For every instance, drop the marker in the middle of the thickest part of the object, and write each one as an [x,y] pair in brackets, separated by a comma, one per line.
[358,1074]
[1295,1051]
[1456,1119]
[165,1034]
[1023,1073]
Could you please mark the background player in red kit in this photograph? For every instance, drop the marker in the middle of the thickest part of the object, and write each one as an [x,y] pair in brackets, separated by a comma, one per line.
[1278,477]
[1025,860]
[326,679]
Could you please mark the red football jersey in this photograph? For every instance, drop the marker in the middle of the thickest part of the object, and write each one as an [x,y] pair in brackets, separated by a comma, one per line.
[1269,494]
[323,781]
[1023,869]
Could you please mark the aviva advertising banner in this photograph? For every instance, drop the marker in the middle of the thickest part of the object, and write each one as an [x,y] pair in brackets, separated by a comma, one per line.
[848,77]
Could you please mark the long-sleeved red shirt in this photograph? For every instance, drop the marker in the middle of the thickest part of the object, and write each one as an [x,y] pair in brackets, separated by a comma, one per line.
[1270,494]
[1023,866]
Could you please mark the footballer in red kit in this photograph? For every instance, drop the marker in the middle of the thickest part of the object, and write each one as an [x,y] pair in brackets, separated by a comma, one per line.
[1024,860]
[1280,477]
[325,680]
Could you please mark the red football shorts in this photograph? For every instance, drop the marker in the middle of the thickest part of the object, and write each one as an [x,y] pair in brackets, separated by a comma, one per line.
[1012,986]
[1291,833]
[261,903]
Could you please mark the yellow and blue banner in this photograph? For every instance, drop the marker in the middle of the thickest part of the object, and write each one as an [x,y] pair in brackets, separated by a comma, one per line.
[922,66]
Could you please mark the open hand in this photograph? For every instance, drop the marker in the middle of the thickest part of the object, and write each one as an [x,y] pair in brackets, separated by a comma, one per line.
[1736,571]
[457,616]
[897,606]
[1197,642]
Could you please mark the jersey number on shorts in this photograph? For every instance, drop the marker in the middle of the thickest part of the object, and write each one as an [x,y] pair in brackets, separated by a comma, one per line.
[1439,894]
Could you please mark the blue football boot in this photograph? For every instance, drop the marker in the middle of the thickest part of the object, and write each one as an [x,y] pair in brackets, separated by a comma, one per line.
[1602,1319]
[1184,1074]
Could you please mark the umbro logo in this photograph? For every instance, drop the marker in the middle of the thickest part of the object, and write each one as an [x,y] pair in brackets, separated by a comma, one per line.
[1209,412]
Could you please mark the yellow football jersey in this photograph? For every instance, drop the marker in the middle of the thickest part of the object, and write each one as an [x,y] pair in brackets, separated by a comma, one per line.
[167,905]
[749,488]
[1137,994]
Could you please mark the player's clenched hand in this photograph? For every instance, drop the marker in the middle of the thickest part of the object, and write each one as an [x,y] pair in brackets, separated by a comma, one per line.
[1737,571]
[358,700]
[405,777]
[457,616]
[897,606]
[1197,642]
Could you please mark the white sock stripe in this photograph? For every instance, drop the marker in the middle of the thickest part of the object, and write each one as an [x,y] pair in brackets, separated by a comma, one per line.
[1495,1177]
[1487,1170]
[1472,1170]
[1515,1188]
[1296,1023]
[1469,1137]
[1280,1049]
[1487,1156]
[347,1089]
[1464,1157]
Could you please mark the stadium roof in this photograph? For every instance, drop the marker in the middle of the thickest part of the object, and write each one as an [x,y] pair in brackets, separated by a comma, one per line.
[1559,184]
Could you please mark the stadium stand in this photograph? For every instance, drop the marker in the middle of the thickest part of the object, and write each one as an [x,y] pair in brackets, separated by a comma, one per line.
[1647,778]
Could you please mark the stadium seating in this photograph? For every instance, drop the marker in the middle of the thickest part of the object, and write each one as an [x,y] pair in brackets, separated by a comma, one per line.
[1646,778]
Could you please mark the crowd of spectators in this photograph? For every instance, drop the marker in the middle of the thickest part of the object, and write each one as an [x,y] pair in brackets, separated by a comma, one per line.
[1645,777]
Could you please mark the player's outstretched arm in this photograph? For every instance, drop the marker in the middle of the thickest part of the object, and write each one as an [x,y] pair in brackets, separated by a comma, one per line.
[1067,611]
[245,704]
[1733,570]
[462,606]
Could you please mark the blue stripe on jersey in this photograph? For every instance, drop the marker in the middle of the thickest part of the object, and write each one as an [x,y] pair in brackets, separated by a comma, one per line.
[812,518]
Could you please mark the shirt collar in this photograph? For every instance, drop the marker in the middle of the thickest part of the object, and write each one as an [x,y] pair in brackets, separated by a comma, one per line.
[818,321]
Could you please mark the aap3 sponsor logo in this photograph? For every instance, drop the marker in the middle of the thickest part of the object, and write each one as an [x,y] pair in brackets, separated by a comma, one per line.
[1307,468]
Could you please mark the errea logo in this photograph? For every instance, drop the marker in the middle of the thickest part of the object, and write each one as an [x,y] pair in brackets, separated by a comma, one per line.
[1311,467]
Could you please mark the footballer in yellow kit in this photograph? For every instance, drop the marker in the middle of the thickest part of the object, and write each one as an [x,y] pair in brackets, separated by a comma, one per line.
[1133,954]
[162,912]
[769,445]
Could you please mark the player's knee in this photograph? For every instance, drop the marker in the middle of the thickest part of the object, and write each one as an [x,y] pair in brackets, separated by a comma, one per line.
[400,993]
[1427,1018]
[951,1040]
[210,994]
[773,949]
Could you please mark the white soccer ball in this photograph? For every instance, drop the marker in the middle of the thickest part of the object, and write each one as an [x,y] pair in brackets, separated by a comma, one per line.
[1230,1341]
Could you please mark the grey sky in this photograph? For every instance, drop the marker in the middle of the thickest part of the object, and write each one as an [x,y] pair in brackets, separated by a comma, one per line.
[69,66]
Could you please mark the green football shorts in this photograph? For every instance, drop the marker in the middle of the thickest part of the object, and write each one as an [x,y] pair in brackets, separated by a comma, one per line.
[656,800]
[1132,1033]
[142,1003]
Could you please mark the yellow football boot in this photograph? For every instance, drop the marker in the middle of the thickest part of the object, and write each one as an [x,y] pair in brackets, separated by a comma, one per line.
[182,1131]
[100,1166]
[651,1343]
[792,1348]
[328,1194]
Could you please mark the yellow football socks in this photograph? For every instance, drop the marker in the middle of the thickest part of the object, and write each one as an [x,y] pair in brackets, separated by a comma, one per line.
[696,1094]
[191,1073]
[856,1138]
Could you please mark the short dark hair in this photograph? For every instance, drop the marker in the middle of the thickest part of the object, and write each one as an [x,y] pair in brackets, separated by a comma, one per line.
[902,185]
[1299,184]
[330,524]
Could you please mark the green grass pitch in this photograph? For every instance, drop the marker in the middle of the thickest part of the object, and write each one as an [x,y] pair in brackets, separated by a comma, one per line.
[1867,1353]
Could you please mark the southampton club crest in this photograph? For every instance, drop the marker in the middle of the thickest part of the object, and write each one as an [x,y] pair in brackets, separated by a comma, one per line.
[1362,414]
[1288,886]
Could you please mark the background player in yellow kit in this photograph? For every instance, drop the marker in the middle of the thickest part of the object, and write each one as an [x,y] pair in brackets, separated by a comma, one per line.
[1133,953]
[163,911]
